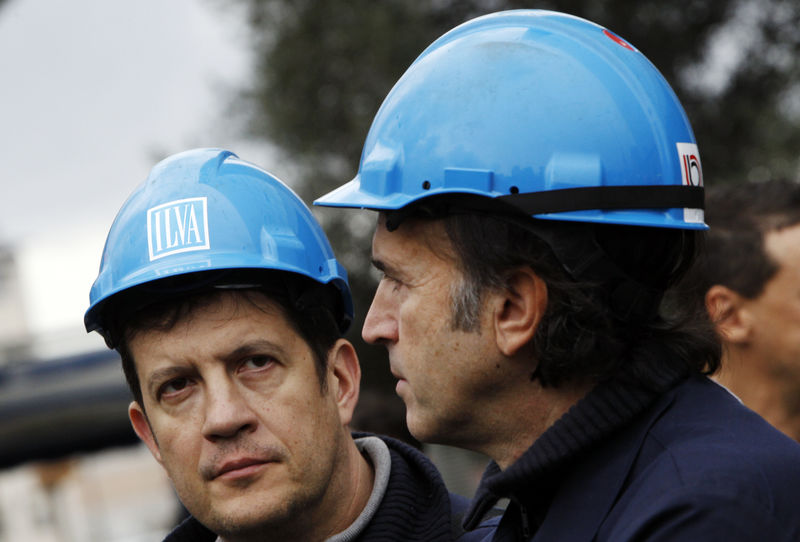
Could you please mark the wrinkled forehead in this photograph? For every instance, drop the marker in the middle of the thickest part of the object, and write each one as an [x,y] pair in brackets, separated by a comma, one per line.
[414,237]
[220,303]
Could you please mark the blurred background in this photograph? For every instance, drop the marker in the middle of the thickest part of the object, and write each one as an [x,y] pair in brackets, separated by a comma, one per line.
[94,92]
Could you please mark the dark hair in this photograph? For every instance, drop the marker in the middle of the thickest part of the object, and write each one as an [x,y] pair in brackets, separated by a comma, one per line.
[739,216]
[599,320]
[308,306]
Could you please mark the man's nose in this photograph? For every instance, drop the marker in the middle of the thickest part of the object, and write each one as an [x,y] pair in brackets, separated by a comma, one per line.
[380,324]
[227,412]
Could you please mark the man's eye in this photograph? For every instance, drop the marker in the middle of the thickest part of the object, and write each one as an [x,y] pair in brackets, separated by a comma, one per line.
[176,385]
[257,362]
[394,283]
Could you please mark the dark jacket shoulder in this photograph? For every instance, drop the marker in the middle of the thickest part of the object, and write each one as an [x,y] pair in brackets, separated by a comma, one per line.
[711,468]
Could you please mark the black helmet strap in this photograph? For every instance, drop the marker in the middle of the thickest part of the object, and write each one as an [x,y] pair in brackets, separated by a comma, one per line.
[607,198]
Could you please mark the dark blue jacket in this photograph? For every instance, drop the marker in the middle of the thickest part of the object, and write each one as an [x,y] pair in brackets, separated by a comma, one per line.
[692,464]
[415,508]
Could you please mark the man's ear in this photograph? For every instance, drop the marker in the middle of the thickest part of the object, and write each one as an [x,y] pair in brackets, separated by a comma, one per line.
[344,378]
[728,311]
[518,309]
[142,428]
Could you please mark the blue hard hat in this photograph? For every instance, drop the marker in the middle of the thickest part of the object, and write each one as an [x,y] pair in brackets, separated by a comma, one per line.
[207,210]
[552,114]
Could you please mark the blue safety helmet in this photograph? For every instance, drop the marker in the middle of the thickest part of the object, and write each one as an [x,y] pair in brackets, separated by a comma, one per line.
[549,113]
[207,210]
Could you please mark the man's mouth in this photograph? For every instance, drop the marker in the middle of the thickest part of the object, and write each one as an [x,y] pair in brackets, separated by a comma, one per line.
[238,468]
[396,373]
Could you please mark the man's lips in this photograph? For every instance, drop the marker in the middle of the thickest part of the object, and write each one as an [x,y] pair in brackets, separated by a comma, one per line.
[396,373]
[401,381]
[234,468]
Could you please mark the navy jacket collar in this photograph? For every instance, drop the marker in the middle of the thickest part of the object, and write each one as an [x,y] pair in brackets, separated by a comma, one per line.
[546,468]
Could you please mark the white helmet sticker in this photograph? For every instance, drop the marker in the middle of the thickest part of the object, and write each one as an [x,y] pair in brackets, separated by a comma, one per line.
[691,175]
[177,226]
[691,172]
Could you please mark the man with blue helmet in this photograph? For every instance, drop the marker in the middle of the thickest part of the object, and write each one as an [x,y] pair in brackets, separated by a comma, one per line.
[538,189]
[223,297]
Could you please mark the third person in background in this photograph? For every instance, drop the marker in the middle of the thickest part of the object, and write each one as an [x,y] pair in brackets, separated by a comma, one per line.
[748,279]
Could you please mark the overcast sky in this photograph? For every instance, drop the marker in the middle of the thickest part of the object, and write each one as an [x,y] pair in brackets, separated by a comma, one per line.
[92,93]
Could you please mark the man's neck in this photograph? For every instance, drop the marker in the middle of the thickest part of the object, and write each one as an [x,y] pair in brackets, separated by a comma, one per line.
[362,478]
[534,414]
[769,394]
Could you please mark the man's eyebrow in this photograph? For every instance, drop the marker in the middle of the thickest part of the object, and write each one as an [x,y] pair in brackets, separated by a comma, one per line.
[158,376]
[387,268]
[260,346]
[378,264]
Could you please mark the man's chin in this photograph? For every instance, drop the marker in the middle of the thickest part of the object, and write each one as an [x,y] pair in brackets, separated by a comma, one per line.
[253,518]
[421,430]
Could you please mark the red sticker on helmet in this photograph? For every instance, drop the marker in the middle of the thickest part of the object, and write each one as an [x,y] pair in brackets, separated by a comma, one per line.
[616,39]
